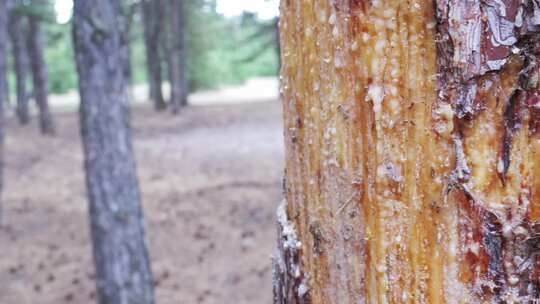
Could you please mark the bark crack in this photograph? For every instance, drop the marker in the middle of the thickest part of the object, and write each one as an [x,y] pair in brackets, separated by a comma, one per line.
[478,42]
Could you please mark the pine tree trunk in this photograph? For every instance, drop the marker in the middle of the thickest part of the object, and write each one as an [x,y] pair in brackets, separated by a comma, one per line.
[165,41]
[117,225]
[152,15]
[39,75]
[3,76]
[130,9]
[412,152]
[21,66]
[177,53]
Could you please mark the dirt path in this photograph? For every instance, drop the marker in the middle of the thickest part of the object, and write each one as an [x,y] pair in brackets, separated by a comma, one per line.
[210,181]
[255,90]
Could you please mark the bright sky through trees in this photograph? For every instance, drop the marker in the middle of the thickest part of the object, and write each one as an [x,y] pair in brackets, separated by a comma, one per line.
[63,10]
[266,9]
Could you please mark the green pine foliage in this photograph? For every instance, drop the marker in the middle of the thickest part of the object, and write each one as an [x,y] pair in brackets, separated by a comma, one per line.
[221,51]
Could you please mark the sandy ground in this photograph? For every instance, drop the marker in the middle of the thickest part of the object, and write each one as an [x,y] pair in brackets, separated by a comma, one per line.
[255,90]
[211,179]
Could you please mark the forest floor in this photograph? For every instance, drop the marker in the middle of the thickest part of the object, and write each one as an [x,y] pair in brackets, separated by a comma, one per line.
[211,181]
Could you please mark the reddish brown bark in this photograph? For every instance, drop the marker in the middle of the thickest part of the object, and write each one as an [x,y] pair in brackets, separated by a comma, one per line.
[40,77]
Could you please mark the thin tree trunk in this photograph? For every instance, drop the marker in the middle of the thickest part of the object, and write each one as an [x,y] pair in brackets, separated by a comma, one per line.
[6,91]
[130,12]
[165,40]
[128,70]
[7,95]
[39,75]
[3,76]
[177,53]
[117,225]
[152,15]
[412,152]
[21,66]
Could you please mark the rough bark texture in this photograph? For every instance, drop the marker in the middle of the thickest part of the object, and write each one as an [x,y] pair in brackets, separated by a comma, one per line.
[153,21]
[40,75]
[21,66]
[177,53]
[3,76]
[120,252]
[412,142]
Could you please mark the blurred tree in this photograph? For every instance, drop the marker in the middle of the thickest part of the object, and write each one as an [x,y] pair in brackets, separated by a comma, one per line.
[153,27]
[177,54]
[165,42]
[18,30]
[59,55]
[3,82]
[117,226]
[39,75]
[265,35]
[216,47]
[37,12]
[131,9]
[412,138]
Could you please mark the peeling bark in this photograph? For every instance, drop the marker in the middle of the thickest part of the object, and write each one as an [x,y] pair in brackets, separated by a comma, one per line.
[289,282]
[412,149]
[3,77]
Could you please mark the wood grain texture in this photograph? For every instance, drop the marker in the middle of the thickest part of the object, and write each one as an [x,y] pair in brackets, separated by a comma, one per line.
[412,165]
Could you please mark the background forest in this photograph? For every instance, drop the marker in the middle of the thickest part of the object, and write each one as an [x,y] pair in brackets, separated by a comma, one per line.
[141,151]
[221,50]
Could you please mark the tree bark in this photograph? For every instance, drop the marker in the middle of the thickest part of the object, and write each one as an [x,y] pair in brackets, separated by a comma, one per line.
[40,78]
[3,76]
[165,41]
[21,66]
[118,235]
[177,53]
[130,10]
[153,21]
[412,152]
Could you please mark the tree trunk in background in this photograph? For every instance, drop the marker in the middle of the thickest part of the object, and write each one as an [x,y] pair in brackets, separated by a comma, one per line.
[165,39]
[3,76]
[152,15]
[117,226]
[39,75]
[6,93]
[177,53]
[412,152]
[128,71]
[21,66]
[130,10]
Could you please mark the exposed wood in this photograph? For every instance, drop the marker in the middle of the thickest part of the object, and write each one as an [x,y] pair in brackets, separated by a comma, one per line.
[412,166]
